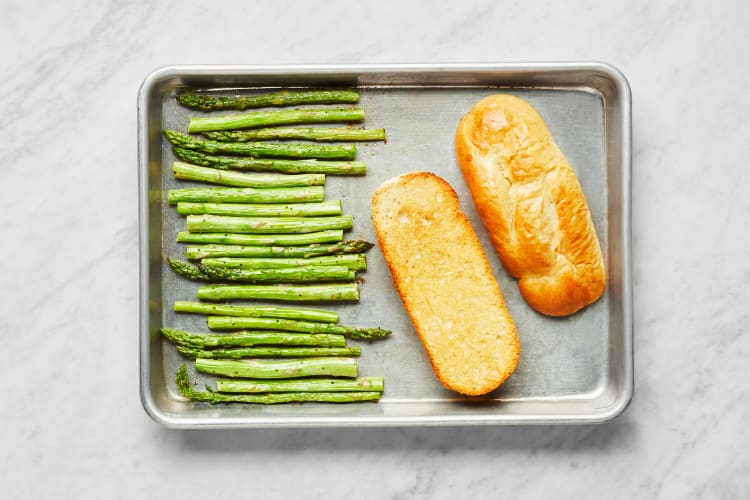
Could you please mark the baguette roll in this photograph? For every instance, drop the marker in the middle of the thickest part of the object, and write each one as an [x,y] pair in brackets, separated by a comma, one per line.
[531,204]
[445,283]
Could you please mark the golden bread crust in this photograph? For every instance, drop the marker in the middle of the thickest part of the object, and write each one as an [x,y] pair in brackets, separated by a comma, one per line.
[445,282]
[532,205]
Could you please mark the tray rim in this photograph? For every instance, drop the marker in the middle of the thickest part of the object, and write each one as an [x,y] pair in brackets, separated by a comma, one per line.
[624,103]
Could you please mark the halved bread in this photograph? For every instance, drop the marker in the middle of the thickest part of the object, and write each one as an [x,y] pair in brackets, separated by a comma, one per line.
[532,205]
[445,283]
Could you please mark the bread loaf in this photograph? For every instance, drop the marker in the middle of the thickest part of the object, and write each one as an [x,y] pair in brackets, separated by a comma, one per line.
[445,283]
[531,204]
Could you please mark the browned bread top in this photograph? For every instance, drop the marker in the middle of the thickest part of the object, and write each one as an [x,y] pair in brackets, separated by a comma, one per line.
[532,204]
[445,282]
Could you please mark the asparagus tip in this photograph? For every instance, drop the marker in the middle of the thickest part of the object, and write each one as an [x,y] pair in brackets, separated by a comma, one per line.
[176,138]
[360,246]
[186,270]
[183,384]
[188,352]
[368,333]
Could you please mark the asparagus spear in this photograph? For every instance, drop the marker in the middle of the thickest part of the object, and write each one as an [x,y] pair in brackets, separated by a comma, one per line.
[305,133]
[264,149]
[329,207]
[267,352]
[286,368]
[227,224]
[298,293]
[186,171]
[258,119]
[261,311]
[290,325]
[329,236]
[183,385]
[301,385]
[187,270]
[353,246]
[247,195]
[281,98]
[308,166]
[301,274]
[249,339]
[354,261]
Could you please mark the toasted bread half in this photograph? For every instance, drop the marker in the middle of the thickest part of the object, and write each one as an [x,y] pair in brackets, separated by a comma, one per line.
[445,283]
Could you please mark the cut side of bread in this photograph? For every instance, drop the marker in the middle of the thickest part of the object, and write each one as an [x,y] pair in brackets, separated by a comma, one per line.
[445,283]
[532,205]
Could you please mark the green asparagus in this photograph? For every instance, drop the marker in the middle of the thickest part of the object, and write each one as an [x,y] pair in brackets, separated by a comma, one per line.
[265,225]
[264,149]
[258,119]
[236,323]
[183,385]
[300,313]
[301,274]
[267,352]
[329,236]
[354,261]
[281,98]
[253,338]
[186,171]
[330,207]
[305,133]
[272,165]
[301,385]
[247,195]
[286,368]
[295,293]
[187,270]
[353,246]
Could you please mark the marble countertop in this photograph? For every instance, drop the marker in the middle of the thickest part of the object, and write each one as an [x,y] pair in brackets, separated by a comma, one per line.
[72,421]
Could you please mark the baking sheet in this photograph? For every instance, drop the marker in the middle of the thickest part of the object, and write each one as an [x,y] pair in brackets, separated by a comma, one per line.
[573,369]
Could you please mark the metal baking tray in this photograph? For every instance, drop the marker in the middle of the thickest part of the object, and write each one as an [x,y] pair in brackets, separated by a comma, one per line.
[577,369]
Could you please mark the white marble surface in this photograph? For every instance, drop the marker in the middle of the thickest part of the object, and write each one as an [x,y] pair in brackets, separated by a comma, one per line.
[72,422]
